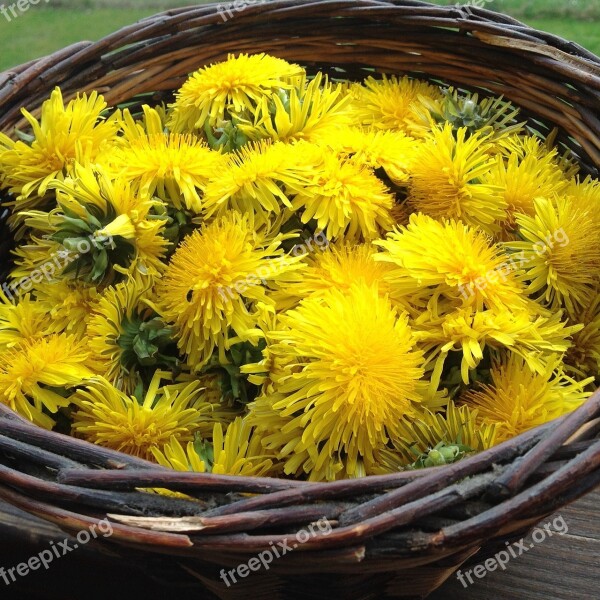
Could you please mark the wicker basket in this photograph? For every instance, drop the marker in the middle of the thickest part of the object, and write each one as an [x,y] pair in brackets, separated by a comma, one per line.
[393,536]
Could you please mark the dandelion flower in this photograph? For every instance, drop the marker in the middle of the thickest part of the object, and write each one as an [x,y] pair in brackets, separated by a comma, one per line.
[451,434]
[213,281]
[173,166]
[526,174]
[305,112]
[349,377]
[534,337]
[108,417]
[338,267]
[583,358]
[585,194]
[195,457]
[24,320]
[389,103]
[66,304]
[447,171]
[63,135]
[518,399]
[229,87]
[495,116]
[345,198]
[561,252]
[32,372]
[109,228]
[237,451]
[458,260]
[391,151]
[127,340]
[258,180]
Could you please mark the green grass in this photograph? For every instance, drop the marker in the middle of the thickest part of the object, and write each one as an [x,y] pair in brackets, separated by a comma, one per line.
[537,9]
[48,27]
[45,29]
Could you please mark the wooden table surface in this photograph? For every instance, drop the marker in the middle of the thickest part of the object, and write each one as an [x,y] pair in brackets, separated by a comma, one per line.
[562,567]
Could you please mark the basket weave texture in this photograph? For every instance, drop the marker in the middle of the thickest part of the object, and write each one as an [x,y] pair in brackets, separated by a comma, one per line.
[395,536]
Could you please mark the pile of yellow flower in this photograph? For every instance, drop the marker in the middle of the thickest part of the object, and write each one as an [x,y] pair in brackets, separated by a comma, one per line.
[284,275]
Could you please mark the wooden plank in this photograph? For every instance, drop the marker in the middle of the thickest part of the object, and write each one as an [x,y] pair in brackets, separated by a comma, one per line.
[562,567]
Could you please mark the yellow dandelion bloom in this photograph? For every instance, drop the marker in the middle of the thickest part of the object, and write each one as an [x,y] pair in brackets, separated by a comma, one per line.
[518,399]
[457,426]
[213,282]
[345,198]
[63,135]
[127,340]
[238,451]
[152,121]
[585,194]
[66,304]
[114,223]
[583,358]
[461,262]
[215,92]
[350,375]
[31,371]
[174,456]
[561,252]
[173,166]
[21,319]
[534,337]
[390,103]
[447,179]
[528,171]
[259,179]
[391,151]
[339,267]
[306,112]
[108,417]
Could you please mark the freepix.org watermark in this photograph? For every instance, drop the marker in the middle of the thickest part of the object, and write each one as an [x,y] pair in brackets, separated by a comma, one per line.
[16,9]
[514,263]
[46,557]
[514,550]
[318,242]
[264,559]
[56,263]
[226,10]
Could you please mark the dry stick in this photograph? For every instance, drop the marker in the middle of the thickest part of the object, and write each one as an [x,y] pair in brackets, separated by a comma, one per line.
[30,77]
[239,522]
[36,455]
[73,448]
[76,522]
[409,513]
[522,468]
[181,481]
[6,413]
[138,503]
[540,494]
